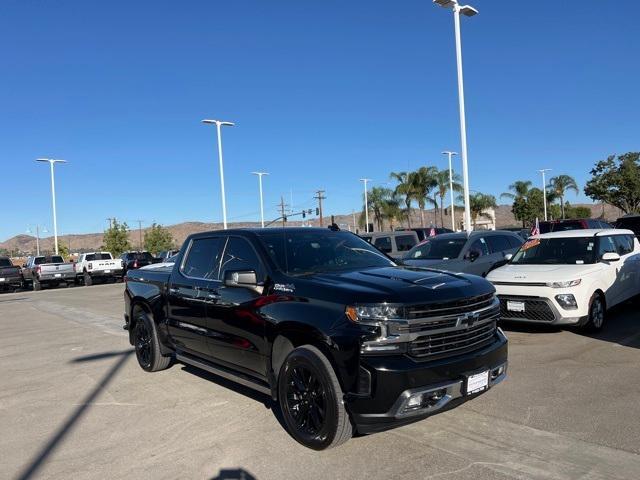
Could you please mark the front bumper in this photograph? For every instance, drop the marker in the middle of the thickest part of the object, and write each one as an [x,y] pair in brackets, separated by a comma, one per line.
[546,311]
[396,378]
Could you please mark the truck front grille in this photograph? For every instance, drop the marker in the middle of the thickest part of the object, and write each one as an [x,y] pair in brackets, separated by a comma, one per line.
[455,342]
[534,309]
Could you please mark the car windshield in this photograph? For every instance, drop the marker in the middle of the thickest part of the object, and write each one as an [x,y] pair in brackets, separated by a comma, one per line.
[5,262]
[54,259]
[301,253]
[564,251]
[437,249]
[142,256]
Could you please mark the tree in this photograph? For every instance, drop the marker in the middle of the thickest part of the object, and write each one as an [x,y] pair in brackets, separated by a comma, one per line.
[559,186]
[157,238]
[116,238]
[577,212]
[617,182]
[63,250]
[407,188]
[479,203]
[424,181]
[519,192]
[391,211]
[376,198]
[442,187]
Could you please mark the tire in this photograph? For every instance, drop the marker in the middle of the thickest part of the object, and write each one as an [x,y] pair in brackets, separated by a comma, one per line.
[88,281]
[147,346]
[597,313]
[37,286]
[308,386]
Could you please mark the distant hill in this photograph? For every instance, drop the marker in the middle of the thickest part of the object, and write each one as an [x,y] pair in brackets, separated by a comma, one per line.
[93,241]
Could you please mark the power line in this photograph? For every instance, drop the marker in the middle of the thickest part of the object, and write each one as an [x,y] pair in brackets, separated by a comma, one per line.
[282,207]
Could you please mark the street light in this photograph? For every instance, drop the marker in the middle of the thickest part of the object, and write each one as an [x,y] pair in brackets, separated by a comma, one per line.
[260,174]
[544,190]
[53,197]
[366,204]
[30,232]
[219,124]
[453,219]
[468,11]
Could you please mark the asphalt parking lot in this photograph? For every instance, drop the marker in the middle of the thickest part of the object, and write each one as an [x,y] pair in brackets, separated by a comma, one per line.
[75,404]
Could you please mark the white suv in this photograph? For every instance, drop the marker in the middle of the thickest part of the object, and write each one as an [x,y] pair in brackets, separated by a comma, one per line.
[569,278]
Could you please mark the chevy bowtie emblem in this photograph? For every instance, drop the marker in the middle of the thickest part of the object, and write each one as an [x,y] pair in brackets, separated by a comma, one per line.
[468,319]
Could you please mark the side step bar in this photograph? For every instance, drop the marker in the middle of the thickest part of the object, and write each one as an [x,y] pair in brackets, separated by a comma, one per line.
[224,372]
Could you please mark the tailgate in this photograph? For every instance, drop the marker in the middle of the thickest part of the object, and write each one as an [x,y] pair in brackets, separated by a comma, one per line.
[9,271]
[106,265]
[56,268]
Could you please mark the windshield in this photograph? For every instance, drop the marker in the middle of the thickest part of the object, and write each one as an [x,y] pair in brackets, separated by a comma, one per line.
[564,251]
[54,259]
[437,249]
[300,253]
[5,262]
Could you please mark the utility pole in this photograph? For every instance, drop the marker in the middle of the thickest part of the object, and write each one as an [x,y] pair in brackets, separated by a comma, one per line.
[283,207]
[140,234]
[110,220]
[544,190]
[366,204]
[320,197]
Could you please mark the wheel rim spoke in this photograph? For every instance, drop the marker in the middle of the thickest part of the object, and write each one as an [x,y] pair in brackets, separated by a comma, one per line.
[305,398]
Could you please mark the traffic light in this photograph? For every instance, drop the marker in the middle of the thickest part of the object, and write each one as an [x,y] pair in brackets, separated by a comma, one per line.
[317,211]
[304,214]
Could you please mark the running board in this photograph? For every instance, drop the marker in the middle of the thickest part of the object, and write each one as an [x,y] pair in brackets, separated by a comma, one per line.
[224,372]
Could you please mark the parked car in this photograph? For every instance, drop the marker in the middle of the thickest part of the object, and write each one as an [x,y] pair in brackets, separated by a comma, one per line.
[50,270]
[10,275]
[133,260]
[425,232]
[569,278]
[394,244]
[335,331]
[97,265]
[525,233]
[573,224]
[166,255]
[630,222]
[477,252]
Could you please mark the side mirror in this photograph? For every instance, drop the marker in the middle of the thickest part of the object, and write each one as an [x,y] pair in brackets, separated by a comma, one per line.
[472,255]
[610,257]
[240,278]
[508,256]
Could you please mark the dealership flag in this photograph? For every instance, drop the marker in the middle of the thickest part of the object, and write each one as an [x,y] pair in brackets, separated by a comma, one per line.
[432,232]
[536,228]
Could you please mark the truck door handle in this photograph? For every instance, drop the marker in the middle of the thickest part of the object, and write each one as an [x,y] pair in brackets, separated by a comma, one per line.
[173,290]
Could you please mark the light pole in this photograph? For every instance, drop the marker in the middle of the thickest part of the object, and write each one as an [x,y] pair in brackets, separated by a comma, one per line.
[219,124]
[544,190]
[44,230]
[260,174]
[53,197]
[366,204]
[453,219]
[467,11]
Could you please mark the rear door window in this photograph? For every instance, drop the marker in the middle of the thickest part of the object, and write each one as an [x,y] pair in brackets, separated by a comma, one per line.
[383,244]
[203,258]
[498,243]
[404,243]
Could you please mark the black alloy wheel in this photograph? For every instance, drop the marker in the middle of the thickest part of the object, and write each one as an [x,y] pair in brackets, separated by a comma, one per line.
[311,400]
[143,345]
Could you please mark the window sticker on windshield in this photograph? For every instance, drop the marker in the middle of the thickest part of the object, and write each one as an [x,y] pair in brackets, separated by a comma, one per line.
[482,240]
[530,244]
[590,246]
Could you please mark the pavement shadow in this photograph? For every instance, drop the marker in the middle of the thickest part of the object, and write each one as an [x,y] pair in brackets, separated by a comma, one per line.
[233,474]
[40,458]
[622,325]
[265,400]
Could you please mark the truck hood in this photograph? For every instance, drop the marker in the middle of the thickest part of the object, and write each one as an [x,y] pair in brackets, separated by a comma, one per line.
[540,273]
[435,263]
[397,285]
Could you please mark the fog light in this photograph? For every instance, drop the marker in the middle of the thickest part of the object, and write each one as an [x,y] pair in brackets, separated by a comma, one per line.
[567,301]
[496,372]
[434,397]
[414,402]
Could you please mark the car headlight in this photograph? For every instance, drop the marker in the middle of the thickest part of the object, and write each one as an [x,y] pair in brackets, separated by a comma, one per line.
[567,284]
[374,313]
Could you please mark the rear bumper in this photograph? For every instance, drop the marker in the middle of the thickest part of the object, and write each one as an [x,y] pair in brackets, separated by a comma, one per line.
[396,378]
[118,272]
[56,277]
[10,282]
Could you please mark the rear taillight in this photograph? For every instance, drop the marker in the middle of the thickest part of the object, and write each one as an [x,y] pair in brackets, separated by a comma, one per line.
[90,266]
[38,269]
[135,264]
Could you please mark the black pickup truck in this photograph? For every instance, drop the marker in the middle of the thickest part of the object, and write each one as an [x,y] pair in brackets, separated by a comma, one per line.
[10,275]
[333,330]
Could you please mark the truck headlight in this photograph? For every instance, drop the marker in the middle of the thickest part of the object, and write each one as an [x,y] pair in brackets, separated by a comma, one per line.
[374,313]
[567,301]
[567,284]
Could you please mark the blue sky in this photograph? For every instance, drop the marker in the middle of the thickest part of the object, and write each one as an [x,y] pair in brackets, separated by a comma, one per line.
[323,93]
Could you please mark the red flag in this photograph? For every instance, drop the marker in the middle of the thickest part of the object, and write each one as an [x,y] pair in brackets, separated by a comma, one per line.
[432,232]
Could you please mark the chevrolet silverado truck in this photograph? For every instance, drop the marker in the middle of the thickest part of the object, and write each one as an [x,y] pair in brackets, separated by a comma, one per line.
[47,270]
[97,265]
[340,336]
[10,275]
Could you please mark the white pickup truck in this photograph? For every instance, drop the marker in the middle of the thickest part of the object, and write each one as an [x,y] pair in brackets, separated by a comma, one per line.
[94,265]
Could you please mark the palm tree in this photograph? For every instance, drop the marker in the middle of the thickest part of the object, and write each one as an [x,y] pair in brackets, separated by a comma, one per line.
[442,187]
[376,198]
[560,185]
[520,195]
[424,181]
[391,211]
[479,203]
[407,188]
